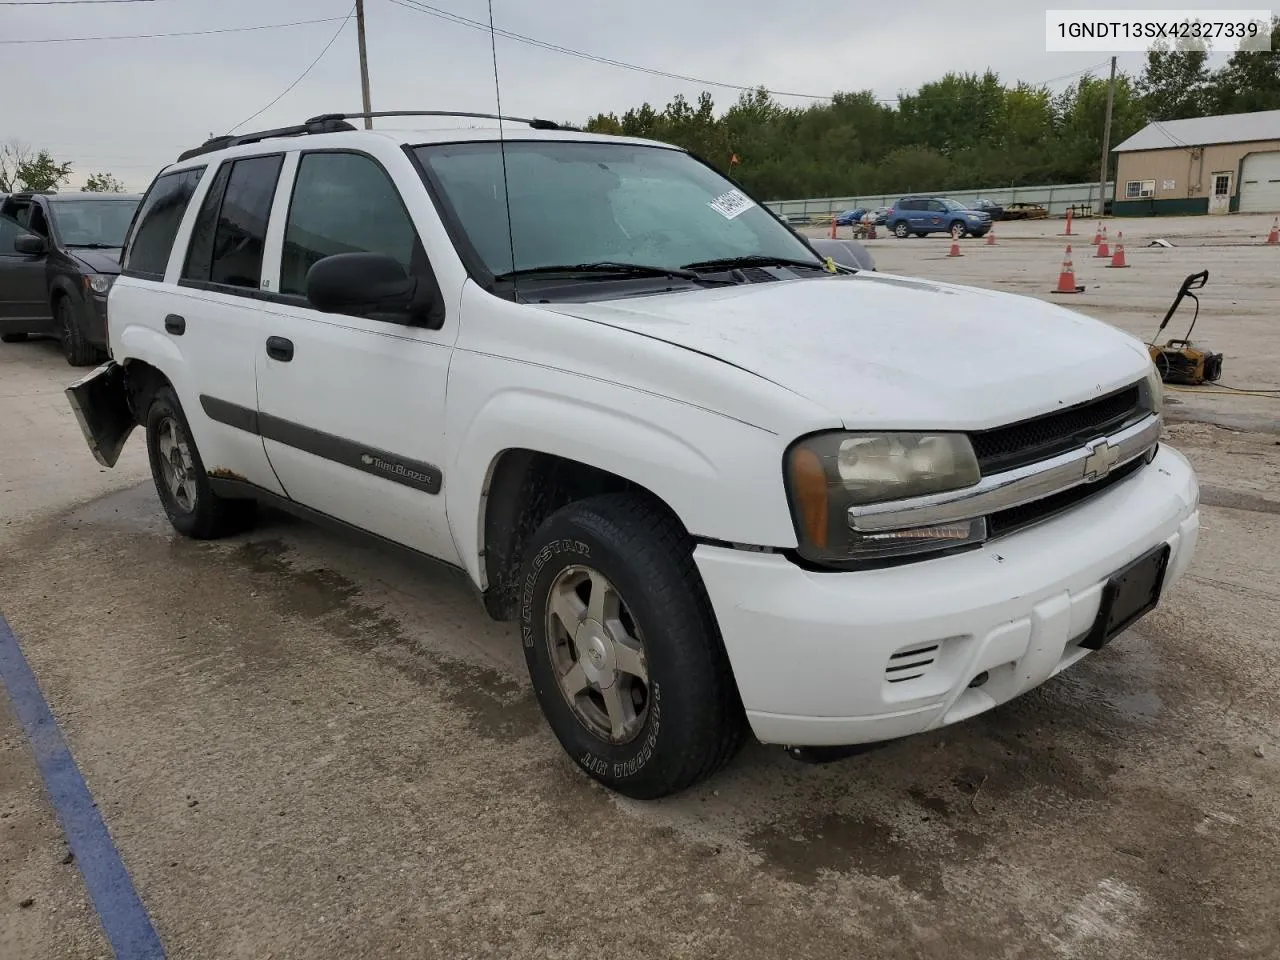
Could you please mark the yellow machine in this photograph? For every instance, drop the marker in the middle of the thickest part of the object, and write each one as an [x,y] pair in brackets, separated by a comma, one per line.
[1182,361]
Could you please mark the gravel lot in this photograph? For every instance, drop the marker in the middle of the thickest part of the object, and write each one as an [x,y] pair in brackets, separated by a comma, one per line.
[306,747]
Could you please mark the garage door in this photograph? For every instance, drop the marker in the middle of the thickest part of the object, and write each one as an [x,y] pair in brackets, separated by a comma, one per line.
[1260,184]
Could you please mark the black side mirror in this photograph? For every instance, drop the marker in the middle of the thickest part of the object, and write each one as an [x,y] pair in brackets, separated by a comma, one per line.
[30,244]
[374,285]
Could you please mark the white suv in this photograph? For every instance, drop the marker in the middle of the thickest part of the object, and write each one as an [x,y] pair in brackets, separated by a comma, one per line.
[714,476]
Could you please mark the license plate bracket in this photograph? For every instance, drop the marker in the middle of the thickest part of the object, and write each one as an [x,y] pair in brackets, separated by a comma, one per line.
[1130,594]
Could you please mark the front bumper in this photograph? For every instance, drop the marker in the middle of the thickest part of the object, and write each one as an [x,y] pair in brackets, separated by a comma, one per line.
[810,650]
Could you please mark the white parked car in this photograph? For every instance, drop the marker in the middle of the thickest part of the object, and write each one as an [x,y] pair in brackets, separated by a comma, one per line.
[719,481]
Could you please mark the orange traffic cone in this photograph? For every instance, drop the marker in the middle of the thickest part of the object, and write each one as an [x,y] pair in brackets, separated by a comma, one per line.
[1097,234]
[1069,213]
[1104,249]
[1067,278]
[1274,236]
[991,237]
[955,249]
[833,226]
[1118,259]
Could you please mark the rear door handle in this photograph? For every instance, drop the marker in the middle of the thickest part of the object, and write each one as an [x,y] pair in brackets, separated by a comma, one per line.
[175,324]
[278,348]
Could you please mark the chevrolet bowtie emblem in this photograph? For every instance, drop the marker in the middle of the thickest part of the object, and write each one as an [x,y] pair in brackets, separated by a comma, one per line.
[1102,457]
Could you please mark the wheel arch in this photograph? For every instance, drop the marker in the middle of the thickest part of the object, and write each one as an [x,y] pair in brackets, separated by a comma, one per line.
[527,454]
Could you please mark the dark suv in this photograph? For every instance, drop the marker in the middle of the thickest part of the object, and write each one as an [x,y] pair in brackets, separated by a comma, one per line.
[925,215]
[59,255]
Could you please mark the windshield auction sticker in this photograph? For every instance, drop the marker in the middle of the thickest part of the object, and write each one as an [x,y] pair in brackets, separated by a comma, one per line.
[732,204]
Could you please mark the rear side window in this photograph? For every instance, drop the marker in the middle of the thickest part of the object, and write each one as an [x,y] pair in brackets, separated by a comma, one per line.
[234,258]
[200,251]
[343,203]
[157,222]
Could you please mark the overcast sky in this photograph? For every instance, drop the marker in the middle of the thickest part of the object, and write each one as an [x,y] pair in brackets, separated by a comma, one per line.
[130,106]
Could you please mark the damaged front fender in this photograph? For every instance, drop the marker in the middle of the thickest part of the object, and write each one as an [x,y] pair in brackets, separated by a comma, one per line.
[100,402]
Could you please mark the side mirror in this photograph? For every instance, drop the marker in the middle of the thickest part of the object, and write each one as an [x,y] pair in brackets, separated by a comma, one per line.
[30,244]
[374,285]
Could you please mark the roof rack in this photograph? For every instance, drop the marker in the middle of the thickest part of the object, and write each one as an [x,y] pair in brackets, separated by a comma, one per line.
[337,122]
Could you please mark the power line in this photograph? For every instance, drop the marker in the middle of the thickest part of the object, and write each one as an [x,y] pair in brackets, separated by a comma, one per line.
[62,3]
[185,33]
[432,11]
[342,26]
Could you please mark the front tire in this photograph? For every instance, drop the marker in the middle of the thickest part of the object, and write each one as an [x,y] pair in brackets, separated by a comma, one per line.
[958,230]
[180,478]
[901,230]
[78,351]
[623,650]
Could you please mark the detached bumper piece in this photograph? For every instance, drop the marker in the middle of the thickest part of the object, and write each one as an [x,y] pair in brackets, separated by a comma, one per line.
[100,402]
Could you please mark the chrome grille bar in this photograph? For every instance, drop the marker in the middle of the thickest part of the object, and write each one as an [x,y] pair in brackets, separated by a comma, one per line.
[1012,488]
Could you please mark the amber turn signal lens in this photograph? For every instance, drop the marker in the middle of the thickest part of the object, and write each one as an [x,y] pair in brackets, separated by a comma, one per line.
[809,484]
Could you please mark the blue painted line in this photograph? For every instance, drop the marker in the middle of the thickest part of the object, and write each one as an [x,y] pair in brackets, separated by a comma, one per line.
[124,918]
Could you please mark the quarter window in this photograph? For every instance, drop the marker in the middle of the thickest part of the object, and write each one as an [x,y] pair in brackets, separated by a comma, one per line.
[343,203]
[157,223]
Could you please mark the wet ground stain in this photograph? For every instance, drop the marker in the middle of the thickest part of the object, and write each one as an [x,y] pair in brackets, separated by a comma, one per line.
[497,707]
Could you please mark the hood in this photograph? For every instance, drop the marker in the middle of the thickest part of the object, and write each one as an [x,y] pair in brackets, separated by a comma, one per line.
[98,261]
[880,351]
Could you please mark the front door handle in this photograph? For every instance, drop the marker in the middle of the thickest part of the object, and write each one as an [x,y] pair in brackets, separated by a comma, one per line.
[278,348]
[175,324]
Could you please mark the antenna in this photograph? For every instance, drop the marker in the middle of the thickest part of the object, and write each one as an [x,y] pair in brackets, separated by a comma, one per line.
[502,148]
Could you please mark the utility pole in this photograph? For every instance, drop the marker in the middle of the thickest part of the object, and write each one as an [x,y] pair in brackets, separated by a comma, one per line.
[1106,142]
[364,67]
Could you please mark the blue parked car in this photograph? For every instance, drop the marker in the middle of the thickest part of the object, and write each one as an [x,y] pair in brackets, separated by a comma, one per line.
[850,217]
[925,215]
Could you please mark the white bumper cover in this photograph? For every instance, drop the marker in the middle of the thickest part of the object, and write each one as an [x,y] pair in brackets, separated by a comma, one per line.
[813,653]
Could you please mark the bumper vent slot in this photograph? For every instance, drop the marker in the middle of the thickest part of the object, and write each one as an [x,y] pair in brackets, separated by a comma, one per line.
[910,664]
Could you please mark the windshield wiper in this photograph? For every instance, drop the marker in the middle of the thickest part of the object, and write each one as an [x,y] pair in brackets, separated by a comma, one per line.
[612,267]
[93,246]
[753,260]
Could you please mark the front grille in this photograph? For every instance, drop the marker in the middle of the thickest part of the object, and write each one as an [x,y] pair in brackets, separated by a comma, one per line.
[1015,518]
[1040,438]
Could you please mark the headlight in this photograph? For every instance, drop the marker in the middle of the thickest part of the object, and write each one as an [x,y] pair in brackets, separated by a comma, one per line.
[1155,384]
[99,283]
[829,473]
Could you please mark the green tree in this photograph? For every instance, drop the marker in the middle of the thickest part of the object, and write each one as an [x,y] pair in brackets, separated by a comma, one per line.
[102,183]
[1175,83]
[1249,80]
[22,168]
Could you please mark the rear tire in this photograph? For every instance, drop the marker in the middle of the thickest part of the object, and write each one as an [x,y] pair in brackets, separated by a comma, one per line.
[191,506]
[78,351]
[640,694]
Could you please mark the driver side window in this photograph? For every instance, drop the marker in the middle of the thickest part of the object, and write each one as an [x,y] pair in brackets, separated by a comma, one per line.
[343,203]
[937,206]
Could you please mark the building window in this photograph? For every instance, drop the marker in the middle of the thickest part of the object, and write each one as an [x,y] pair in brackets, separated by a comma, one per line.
[1136,189]
[1222,184]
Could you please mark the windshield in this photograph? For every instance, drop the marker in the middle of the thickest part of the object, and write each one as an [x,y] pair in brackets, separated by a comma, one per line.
[92,223]
[585,203]
[953,205]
